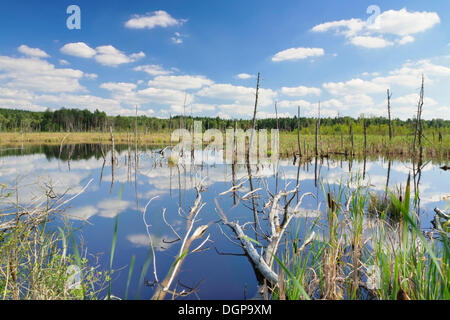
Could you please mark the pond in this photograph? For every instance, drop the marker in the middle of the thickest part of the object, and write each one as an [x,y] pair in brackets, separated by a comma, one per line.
[218,270]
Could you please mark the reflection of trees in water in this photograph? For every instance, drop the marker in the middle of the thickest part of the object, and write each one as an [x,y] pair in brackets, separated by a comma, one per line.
[256,201]
[83,151]
[87,151]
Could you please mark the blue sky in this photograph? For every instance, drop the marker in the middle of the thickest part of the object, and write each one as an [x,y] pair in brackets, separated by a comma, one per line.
[156,54]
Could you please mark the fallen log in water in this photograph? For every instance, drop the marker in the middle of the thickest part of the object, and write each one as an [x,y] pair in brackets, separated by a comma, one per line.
[165,286]
[263,261]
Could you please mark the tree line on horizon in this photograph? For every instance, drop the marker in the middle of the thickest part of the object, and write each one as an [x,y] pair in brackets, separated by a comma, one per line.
[76,120]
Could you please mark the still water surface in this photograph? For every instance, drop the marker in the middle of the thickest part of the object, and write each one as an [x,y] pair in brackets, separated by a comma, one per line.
[126,189]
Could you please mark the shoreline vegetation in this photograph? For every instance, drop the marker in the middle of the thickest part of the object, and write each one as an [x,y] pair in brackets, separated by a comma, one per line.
[397,261]
[328,145]
[38,262]
[299,136]
[363,251]
[331,265]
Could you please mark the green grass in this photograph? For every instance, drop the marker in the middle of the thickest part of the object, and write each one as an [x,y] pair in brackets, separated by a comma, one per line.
[35,261]
[376,144]
[39,263]
[384,205]
[336,265]
[330,143]
[35,264]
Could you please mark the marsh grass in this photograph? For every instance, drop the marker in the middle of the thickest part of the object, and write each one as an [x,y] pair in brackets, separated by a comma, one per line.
[376,144]
[331,144]
[55,138]
[40,263]
[36,265]
[384,205]
[358,230]
[173,160]
[404,263]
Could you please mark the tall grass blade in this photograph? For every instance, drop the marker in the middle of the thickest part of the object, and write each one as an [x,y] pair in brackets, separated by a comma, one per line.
[113,249]
[294,279]
[133,258]
[144,272]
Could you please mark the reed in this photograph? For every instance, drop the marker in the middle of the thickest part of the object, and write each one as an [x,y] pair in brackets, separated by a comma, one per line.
[360,256]
[369,144]
[36,264]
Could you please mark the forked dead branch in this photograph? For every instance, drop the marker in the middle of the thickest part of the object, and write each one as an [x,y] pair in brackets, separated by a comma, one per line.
[279,219]
[191,235]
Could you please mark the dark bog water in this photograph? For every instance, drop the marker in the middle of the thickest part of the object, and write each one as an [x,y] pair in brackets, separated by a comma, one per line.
[127,191]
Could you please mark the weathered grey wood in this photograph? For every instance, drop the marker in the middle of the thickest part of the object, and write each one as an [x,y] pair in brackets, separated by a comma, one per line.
[254,117]
[298,134]
[389,113]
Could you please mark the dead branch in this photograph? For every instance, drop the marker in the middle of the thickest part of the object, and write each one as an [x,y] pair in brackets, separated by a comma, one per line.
[233,188]
[184,251]
[147,226]
[38,212]
[263,261]
[254,256]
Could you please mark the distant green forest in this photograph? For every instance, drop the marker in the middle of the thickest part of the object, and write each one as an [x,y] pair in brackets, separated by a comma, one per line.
[75,120]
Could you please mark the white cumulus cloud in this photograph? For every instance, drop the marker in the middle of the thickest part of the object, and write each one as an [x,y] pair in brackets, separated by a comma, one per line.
[300,91]
[152,20]
[106,55]
[118,86]
[403,23]
[238,95]
[39,75]
[297,54]
[32,52]
[110,56]
[152,69]
[244,76]
[180,82]
[78,49]
[371,42]
[392,26]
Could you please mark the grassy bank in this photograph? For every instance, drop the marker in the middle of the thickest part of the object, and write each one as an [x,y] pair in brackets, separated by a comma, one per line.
[55,138]
[358,145]
[359,239]
[360,255]
[327,144]
[37,263]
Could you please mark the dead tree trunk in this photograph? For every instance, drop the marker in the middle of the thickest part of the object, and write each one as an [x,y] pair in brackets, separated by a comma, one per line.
[263,261]
[234,143]
[351,138]
[276,116]
[389,113]
[112,144]
[320,135]
[298,134]
[365,137]
[135,140]
[190,236]
[316,144]
[420,119]
[113,157]
[278,128]
[254,117]
[418,130]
